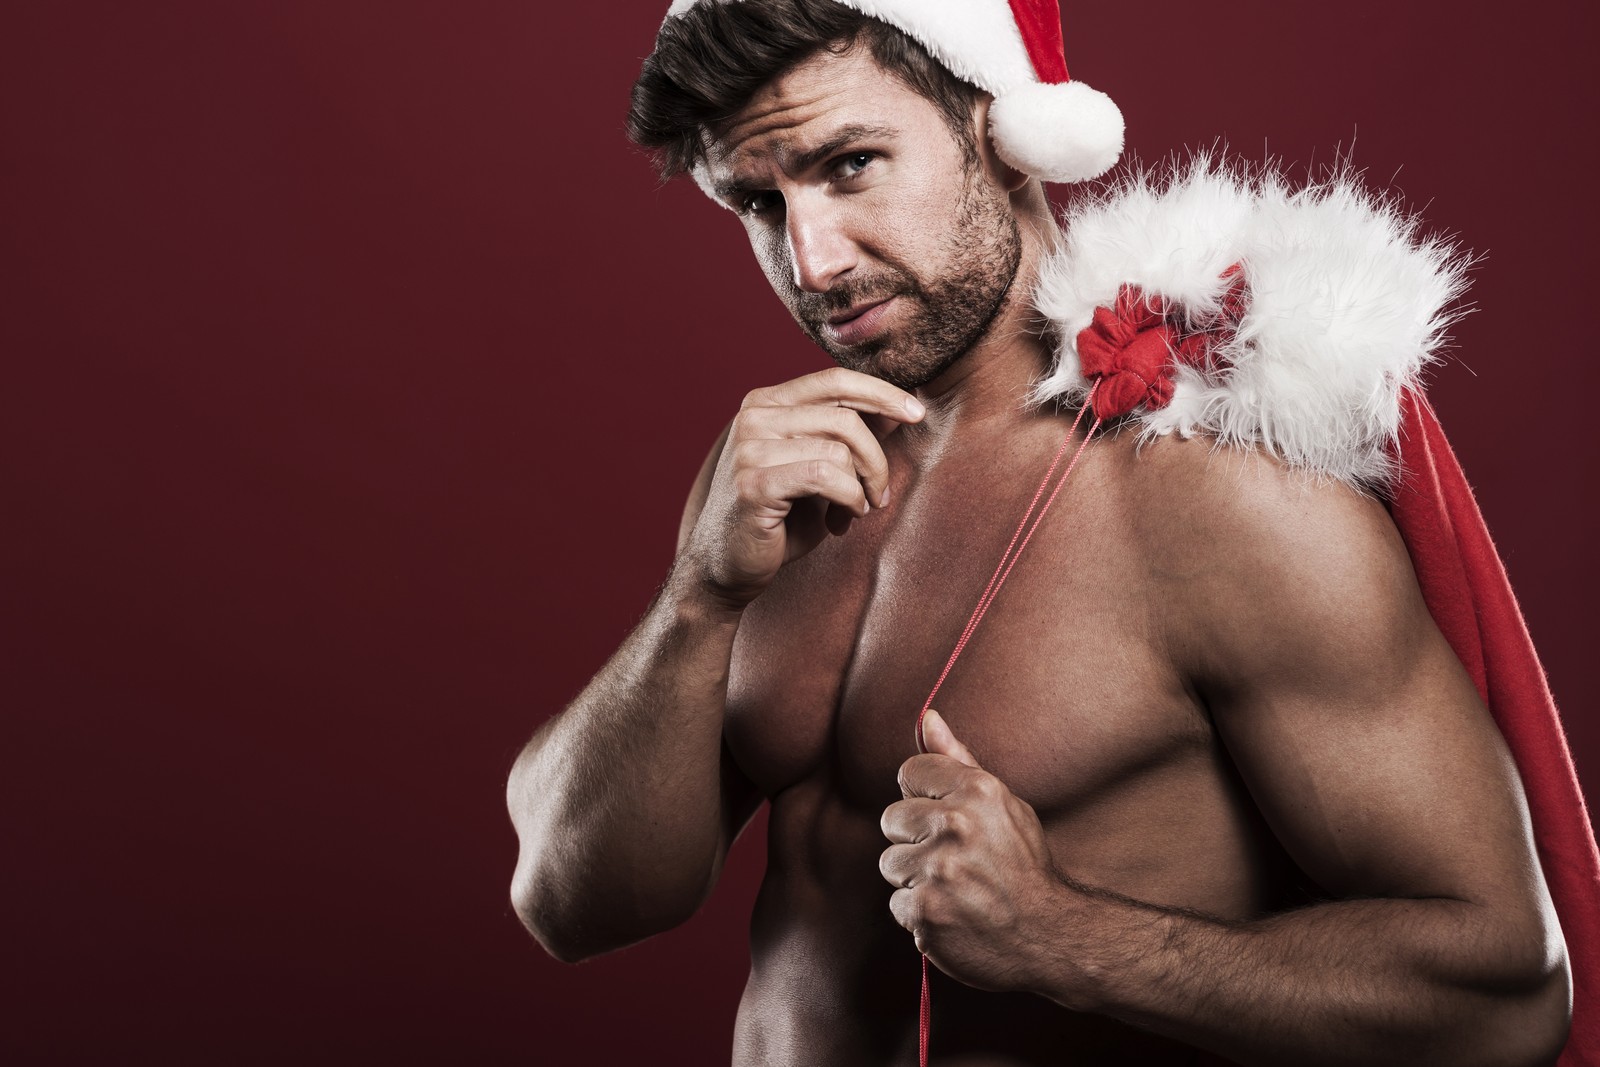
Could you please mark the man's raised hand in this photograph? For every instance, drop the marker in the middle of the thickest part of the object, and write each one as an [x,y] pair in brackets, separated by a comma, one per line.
[802,460]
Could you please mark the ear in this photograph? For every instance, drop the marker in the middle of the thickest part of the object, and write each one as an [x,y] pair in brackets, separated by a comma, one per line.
[999,171]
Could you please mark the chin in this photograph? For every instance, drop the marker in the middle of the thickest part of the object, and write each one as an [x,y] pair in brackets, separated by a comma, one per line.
[904,370]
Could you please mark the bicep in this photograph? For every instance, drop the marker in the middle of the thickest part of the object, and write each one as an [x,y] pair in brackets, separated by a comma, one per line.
[1396,784]
[1357,731]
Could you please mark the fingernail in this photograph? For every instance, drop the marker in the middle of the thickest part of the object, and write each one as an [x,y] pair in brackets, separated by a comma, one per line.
[914,408]
[883,497]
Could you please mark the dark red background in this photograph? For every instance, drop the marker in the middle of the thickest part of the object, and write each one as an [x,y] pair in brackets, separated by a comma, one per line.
[355,371]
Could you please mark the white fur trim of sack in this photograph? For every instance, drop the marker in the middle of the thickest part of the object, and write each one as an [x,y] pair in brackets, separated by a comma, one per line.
[1348,304]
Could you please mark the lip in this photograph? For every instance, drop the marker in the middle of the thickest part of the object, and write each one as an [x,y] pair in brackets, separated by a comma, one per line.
[858,324]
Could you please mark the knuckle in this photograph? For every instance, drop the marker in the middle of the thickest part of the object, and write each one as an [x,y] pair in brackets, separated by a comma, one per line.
[956,824]
[844,421]
[748,482]
[839,453]
[836,377]
[754,422]
[910,906]
[756,398]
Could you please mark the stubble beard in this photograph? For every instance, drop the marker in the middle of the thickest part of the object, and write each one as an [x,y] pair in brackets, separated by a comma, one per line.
[949,314]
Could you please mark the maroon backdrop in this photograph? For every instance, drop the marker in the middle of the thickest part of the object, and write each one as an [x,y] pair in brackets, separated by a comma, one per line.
[355,371]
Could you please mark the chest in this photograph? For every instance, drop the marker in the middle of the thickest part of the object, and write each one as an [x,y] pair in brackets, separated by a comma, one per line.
[1063,691]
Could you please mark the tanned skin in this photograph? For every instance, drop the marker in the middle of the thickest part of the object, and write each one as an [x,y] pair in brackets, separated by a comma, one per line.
[1208,777]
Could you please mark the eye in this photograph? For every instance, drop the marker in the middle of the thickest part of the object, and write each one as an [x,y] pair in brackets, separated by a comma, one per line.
[759,203]
[849,166]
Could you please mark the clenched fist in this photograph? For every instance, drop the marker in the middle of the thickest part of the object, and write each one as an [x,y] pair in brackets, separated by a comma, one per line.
[973,877]
[802,460]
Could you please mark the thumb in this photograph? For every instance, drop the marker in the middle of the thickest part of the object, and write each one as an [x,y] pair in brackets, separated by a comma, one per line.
[938,738]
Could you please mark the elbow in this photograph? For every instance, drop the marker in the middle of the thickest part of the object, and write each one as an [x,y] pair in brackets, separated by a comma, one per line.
[1509,993]
[546,896]
[541,915]
[540,904]
[1549,1004]
[535,894]
[581,898]
[546,909]
[573,923]
[1537,1018]
[1546,1018]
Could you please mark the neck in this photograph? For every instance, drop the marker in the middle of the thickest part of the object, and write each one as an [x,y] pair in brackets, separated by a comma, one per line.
[982,392]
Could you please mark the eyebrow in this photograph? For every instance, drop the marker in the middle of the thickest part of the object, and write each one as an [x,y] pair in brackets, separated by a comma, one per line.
[812,156]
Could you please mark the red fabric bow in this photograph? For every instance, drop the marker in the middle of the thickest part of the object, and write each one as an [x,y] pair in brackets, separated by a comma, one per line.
[1133,347]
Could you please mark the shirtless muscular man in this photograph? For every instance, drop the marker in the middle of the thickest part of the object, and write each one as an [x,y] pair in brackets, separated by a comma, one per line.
[1208,779]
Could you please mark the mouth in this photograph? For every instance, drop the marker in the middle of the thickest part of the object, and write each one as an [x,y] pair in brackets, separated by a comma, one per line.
[857,324]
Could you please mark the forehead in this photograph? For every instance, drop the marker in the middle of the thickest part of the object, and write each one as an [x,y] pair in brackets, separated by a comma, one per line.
[808,103]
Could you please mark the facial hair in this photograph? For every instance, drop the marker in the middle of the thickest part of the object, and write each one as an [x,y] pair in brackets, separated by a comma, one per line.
[950,313]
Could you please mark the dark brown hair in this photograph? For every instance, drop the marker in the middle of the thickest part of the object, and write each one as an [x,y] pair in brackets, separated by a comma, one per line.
[709,62]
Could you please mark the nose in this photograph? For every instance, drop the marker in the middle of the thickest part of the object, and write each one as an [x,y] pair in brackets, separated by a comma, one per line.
[819,248]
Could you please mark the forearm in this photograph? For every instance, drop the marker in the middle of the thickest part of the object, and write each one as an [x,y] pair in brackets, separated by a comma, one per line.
[617,801]
[1359,981]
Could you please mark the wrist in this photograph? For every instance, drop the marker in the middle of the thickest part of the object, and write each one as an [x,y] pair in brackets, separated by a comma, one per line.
[695,599]
[1075,965]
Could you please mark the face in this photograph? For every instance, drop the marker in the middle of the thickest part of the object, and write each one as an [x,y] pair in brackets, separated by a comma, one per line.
[890,247]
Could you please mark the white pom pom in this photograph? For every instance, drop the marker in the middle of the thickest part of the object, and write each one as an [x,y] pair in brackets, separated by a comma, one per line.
[1065,132]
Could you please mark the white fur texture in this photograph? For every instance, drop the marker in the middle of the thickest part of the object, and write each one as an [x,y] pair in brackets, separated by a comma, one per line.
[1346,306]
[1060,133]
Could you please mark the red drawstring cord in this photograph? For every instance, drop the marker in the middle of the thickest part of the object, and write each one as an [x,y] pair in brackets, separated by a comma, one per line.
[1001,572]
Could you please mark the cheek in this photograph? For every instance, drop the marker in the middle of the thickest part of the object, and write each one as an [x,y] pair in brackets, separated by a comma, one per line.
[911,227]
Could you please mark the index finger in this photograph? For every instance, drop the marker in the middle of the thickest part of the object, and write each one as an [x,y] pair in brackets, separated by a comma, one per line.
[845,388]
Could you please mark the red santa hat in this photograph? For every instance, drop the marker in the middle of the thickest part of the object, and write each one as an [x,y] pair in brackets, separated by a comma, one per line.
[1041,122]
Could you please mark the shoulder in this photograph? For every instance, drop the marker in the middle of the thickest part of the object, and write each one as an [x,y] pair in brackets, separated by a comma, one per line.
[1262,565]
